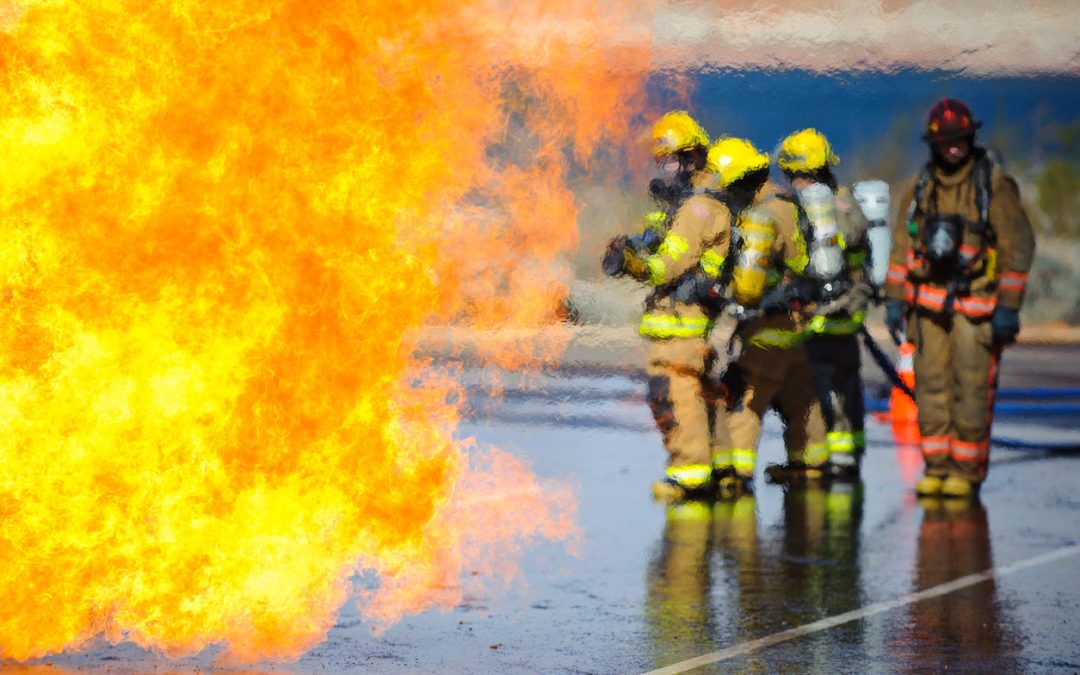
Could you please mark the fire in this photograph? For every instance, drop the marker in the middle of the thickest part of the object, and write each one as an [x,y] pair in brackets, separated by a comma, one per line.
[225,224]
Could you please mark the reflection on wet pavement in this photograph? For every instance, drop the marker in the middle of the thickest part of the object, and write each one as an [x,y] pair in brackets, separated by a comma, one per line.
[946,633]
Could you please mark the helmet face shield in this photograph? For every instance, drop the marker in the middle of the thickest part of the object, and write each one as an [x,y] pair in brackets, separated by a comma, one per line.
[667,166]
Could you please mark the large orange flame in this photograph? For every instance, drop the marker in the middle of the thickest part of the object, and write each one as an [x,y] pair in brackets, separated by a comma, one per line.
[223,221]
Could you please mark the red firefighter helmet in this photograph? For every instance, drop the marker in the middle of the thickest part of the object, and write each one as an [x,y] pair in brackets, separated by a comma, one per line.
[950,118]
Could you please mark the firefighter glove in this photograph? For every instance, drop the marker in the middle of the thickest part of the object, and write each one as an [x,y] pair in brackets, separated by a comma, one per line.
[894,319]
[614,256]
[634,264]
[1004,325]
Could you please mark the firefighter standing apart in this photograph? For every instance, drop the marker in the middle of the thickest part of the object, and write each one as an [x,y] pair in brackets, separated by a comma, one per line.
[675,323]
[835,231]
[962,248]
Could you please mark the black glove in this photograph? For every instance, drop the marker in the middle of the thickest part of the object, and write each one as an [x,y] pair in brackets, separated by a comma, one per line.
[1004,325]
[894,319]
[647,240]
[615,255]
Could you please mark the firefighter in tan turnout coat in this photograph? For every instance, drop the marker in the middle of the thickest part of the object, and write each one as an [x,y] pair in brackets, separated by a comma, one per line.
[772,370]
[962,248]
[676,322]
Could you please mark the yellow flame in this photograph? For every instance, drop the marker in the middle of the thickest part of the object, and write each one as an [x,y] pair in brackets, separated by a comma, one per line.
[222,220]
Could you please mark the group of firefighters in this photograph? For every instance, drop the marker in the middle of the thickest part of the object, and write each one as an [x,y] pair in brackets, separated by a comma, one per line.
[797,265]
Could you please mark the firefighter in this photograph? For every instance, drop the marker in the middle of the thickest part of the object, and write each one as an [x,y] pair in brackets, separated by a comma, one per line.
[679,148]
[675,322]
[962,248]
[835,231]
[771,370]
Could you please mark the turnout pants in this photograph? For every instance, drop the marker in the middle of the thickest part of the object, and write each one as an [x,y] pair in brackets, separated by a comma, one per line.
[834,360]
[779,377]
[683,403]
[956,379]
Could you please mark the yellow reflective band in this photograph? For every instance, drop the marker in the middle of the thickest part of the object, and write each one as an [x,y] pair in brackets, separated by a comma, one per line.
[655,218]
[743,460]
[835,326]
[798,263]
[796,234]
[711,263]
[674,246]
[751,227]
[690,475]
[666,326]
[771,338]
[656,270]
[840,241]
[721,459]
[840,441]
[816,454]
[694,511]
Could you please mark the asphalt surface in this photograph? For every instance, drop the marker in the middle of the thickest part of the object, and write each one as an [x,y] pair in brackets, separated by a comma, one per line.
[742,586]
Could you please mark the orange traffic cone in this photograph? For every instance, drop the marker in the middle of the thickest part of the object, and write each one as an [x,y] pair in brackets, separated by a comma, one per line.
[905,418]
[901,407]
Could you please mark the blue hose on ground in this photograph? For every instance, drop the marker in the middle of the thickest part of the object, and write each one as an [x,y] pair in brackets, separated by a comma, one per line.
[1038,393]
[1021,407]
[1002,408]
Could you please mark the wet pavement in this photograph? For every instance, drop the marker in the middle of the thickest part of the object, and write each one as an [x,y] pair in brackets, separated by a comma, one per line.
[647,586]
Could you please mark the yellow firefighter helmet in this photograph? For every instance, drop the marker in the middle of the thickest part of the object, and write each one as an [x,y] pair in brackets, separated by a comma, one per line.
[806,151]
[675,132]
[733,158]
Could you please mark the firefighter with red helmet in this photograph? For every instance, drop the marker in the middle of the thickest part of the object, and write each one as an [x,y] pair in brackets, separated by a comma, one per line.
[962,248]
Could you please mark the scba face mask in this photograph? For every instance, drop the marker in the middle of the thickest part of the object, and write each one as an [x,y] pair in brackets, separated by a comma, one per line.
[942,236]
[672,181]
[873,199]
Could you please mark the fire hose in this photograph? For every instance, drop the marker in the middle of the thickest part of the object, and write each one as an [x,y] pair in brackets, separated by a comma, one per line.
[1019,401]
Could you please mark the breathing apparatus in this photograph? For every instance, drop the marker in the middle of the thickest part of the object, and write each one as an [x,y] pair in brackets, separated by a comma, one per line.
[873,199]
[824,243]
[756,240]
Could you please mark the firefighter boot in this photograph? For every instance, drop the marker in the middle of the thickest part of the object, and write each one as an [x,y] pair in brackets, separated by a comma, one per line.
[668,492]
[794,473]
[929,486]
[958,488]
[731,485]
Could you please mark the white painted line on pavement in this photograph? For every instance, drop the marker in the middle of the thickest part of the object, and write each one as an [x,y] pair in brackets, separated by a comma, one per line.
[863,612]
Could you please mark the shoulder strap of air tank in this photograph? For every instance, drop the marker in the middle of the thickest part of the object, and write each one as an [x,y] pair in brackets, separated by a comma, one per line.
[983,171]
[920,187]
[734,238]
